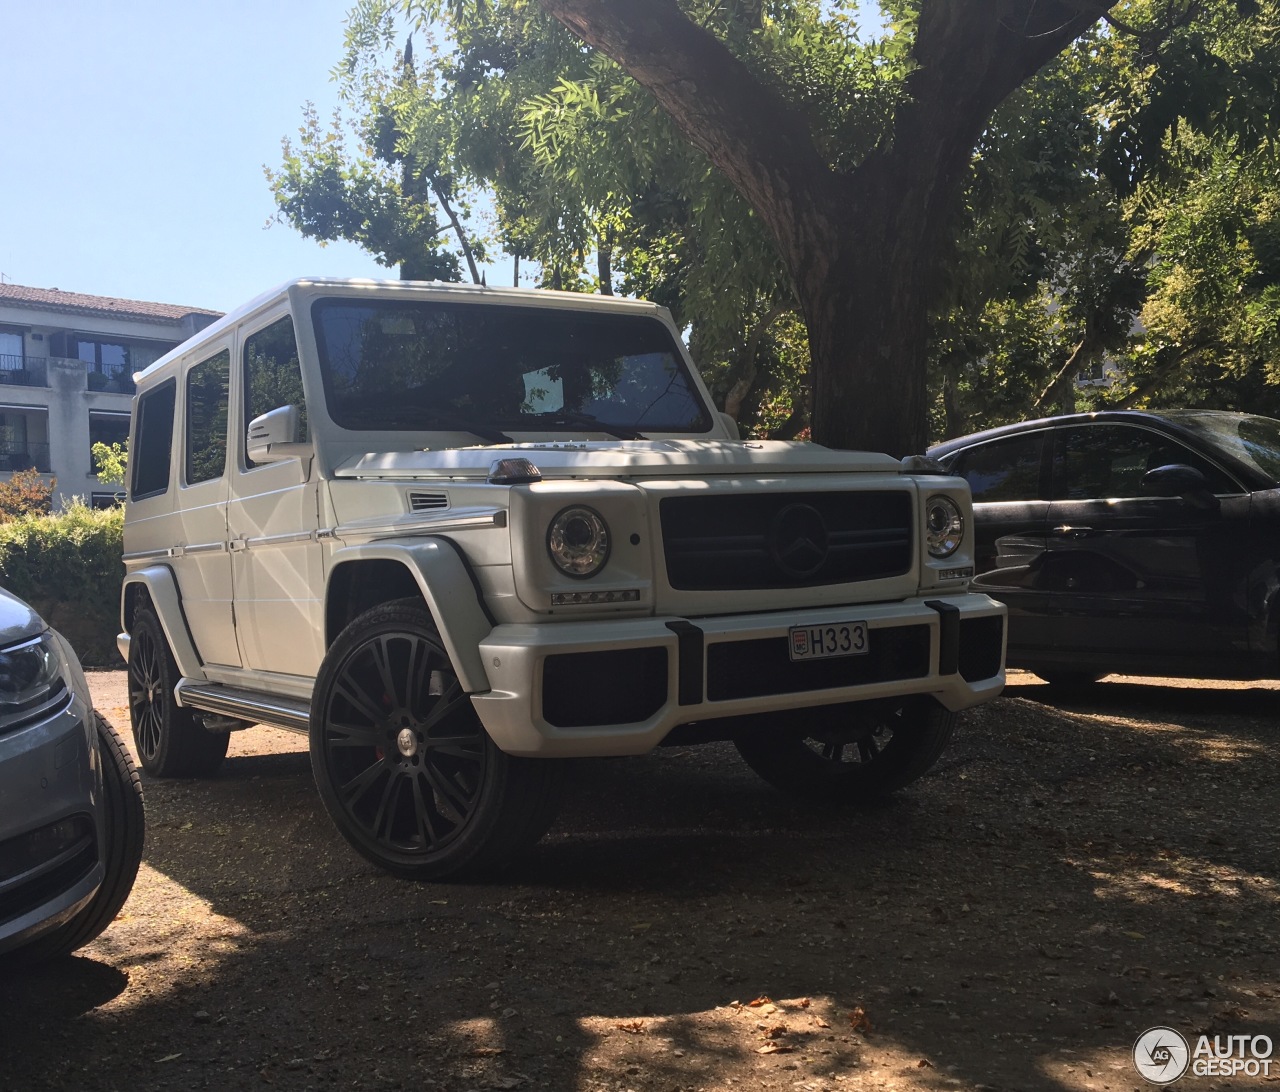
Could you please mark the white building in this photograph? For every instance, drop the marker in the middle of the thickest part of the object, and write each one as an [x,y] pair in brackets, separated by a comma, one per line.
[66,377]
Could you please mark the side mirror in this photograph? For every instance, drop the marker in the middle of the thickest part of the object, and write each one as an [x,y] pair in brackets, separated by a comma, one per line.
[277,435]
[1180,480]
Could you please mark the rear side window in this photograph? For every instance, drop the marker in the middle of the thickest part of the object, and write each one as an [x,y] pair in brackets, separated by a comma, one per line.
[1003,470]
[1107,461]
[272,375]
[154,442]
[207,386]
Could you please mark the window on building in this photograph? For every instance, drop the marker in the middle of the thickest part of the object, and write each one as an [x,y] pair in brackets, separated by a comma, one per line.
[272,375]
[149,461]
[12,357]
[106,500]
[207,385]
[106,428]
[24,439]
[109,358]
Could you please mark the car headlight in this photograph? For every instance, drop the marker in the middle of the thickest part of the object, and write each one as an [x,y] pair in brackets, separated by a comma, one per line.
[32,674]
[943,526]
[578,541]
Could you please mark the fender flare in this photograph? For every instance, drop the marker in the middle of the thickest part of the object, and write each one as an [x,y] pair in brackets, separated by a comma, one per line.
[451,593]
[162,587]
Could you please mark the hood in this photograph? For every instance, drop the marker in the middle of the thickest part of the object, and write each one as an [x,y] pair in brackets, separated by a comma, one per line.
[623,458]
[18,622]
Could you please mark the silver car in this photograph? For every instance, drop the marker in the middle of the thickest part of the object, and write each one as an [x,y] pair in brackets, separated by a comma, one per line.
[71,816]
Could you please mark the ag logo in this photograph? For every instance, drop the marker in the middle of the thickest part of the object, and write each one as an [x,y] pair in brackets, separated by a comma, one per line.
[1161,1055]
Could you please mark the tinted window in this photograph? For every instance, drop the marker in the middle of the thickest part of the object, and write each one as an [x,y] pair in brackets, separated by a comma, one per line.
[1003,470]
[207,418]
[272,375]
[1252,440]
[1110,461]
[415,365]
[150,458]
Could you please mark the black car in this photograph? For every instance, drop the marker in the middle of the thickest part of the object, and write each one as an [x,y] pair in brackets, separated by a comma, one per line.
[1130,542]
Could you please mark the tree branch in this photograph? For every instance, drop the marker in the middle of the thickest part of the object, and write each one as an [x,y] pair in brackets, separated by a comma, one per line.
[761,143]
[458,229]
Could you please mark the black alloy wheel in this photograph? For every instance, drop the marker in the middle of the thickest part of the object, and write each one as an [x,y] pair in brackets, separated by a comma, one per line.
[403,764]
[847,753]
[171,742]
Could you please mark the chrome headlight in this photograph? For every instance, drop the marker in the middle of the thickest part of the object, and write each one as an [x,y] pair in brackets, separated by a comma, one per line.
[943,526]
[578,541]
[33,675]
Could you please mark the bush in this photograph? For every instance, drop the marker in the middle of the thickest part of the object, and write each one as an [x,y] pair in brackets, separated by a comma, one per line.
[70,568]
[25,493]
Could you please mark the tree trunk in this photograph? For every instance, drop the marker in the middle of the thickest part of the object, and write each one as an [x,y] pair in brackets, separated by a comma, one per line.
[860,246]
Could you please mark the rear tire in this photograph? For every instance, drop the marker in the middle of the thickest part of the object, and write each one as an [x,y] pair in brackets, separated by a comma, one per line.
[405,768]
[170,740]
[848,753]
[125,826]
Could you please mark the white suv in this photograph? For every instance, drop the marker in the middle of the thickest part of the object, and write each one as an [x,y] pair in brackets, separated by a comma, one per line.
[457,534]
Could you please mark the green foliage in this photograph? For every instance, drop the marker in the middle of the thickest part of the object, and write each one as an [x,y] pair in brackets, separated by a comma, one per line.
[69,567]
[1096,223]
[111,462]
[24,493]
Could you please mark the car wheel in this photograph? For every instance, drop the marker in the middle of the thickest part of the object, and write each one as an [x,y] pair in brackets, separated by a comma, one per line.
[850,752]
[403,764]
[1070,680]
[125,825]
[170,740]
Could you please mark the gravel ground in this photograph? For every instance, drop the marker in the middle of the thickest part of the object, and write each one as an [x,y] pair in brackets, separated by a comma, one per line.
[1078,869]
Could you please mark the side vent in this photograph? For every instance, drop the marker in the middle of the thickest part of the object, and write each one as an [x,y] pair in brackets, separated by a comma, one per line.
[428,502]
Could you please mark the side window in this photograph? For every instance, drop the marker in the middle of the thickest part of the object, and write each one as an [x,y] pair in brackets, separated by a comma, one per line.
[207,385]
[150,460]
[272,375]
[1110,461]
[1003,470]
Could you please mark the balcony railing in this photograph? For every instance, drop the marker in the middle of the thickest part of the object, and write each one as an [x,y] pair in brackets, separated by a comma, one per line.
[24,455]
[23,371]
[113,379]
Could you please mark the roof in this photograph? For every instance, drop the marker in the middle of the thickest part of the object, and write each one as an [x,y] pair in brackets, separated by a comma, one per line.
[54,299]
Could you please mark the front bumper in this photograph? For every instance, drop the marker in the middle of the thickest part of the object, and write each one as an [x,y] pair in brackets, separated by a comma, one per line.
[578,689]
[51,827]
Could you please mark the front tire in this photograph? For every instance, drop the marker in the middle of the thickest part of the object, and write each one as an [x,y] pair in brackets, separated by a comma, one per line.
[170,741]
[125,826]
[403,764]
[848,753]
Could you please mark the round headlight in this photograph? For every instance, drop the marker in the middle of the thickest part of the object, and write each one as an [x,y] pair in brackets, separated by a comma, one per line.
[943,526]
[578,542]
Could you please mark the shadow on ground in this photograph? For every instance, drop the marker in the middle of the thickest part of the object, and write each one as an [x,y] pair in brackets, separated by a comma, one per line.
[1070,875]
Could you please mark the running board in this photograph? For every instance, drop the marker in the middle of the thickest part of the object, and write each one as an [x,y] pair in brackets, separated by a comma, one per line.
[292,714]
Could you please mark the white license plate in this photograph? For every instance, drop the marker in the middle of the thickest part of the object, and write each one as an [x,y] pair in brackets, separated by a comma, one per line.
[826,642]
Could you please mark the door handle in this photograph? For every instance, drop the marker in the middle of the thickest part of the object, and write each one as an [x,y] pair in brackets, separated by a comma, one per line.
[1067,530]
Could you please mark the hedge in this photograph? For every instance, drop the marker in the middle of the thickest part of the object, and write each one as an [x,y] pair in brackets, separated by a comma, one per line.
[69,567]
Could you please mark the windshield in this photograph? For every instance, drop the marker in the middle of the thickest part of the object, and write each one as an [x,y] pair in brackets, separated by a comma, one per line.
[419,365]
[1252,440]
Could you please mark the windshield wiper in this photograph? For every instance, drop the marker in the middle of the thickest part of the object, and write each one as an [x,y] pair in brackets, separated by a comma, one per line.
[565,417]
[460,424]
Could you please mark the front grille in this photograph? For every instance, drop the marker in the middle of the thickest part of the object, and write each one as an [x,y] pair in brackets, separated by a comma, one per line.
[785,540]
[753,669]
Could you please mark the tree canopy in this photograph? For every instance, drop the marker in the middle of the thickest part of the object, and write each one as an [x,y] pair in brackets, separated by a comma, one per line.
[919,228]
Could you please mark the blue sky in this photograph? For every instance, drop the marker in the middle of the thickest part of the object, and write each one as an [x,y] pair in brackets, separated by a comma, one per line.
[134,139]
